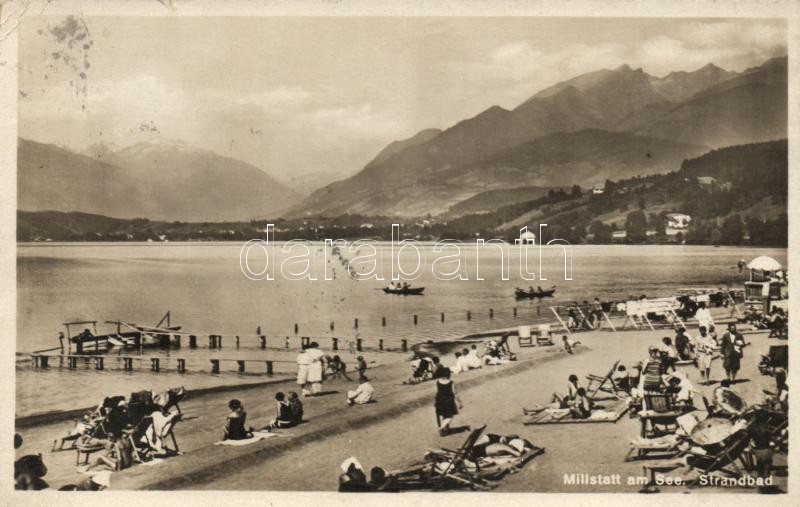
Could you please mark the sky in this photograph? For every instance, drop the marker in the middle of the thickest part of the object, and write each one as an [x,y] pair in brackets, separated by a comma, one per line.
[301,96]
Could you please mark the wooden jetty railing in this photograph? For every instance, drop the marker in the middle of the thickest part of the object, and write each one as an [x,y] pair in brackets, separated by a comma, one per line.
[41,360]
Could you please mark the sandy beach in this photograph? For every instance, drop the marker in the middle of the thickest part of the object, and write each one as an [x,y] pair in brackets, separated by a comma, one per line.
[307,457]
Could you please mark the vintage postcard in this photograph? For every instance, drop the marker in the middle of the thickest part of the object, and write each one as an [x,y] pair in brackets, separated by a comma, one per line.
[344,248]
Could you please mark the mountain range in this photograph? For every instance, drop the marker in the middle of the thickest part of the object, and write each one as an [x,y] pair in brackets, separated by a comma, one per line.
[608,124]
[162,181]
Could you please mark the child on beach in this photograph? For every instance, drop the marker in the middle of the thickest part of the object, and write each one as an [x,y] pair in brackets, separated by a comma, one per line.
[361,395]
[361,366]
[569,345]
[669,354]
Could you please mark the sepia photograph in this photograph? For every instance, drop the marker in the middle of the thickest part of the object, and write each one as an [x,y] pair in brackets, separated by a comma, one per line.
[400,253]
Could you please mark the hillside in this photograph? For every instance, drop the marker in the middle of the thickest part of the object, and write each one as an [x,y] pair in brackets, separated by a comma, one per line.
[159,181]
[687,111]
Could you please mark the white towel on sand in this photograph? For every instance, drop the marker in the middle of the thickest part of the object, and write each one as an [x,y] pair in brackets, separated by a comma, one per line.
[257,435]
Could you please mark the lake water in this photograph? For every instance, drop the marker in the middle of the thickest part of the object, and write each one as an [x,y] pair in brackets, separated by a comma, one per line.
[203,287]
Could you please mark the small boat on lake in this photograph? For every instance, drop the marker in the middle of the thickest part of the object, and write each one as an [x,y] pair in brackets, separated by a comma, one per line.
[535,294]
[405,291]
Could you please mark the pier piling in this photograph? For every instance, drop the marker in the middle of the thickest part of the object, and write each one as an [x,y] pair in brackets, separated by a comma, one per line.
[358,344]
[263,341]
[215,366]
[181,365]
[241,366]
[296,328]
[415,319]
[335,344]
[442,317]
[355,324]
[98,363]
[192,341]
[404,345]
[269,368]
[380,344]
[515,312]
[127,363]
[491,313]
[237,341]
[155,364]
[469,315]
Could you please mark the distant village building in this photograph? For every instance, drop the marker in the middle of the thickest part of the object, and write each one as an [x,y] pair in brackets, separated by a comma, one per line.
[598,190]
[526,237]
[367,226]
[706,180]
[678,220]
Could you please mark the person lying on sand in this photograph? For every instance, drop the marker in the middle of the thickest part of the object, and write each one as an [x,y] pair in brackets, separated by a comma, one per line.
[491,444]
[557,401]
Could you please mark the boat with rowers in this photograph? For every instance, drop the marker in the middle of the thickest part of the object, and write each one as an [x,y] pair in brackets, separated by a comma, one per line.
[404,290]
[534,294]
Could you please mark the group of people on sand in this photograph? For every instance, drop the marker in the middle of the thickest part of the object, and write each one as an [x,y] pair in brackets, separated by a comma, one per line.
[288,413]
[313,366]
[658,372]
[494,353]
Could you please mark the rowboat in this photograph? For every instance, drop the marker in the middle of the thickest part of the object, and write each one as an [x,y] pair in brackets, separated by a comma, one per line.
[409,291]
[525,294]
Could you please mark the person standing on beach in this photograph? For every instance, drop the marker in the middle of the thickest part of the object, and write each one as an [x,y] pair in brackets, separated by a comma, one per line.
[731,350]
[705,353]
[447,402]
[703,316]
[303,364]
[316,368]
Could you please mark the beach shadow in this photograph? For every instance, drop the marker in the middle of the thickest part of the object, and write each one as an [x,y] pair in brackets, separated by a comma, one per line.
[740,381]
[457,429]
[323,393]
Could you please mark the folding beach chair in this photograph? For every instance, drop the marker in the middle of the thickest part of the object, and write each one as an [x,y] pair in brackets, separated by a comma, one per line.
[733,459]
[442,469]
[605,383]
[524,334]
[544,335]
[660,410]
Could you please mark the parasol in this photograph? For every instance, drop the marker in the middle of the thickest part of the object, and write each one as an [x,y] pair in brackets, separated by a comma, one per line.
[764,263]
[729,401]
[712,431]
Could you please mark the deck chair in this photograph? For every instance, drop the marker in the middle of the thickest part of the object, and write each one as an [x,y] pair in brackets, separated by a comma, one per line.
[544,335]
[524,334]
[456,470]
[660,410]
[441,469]
[732,459]
[605,383]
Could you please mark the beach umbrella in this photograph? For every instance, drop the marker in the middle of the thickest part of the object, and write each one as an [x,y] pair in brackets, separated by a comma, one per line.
[764,263]
[712,431]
